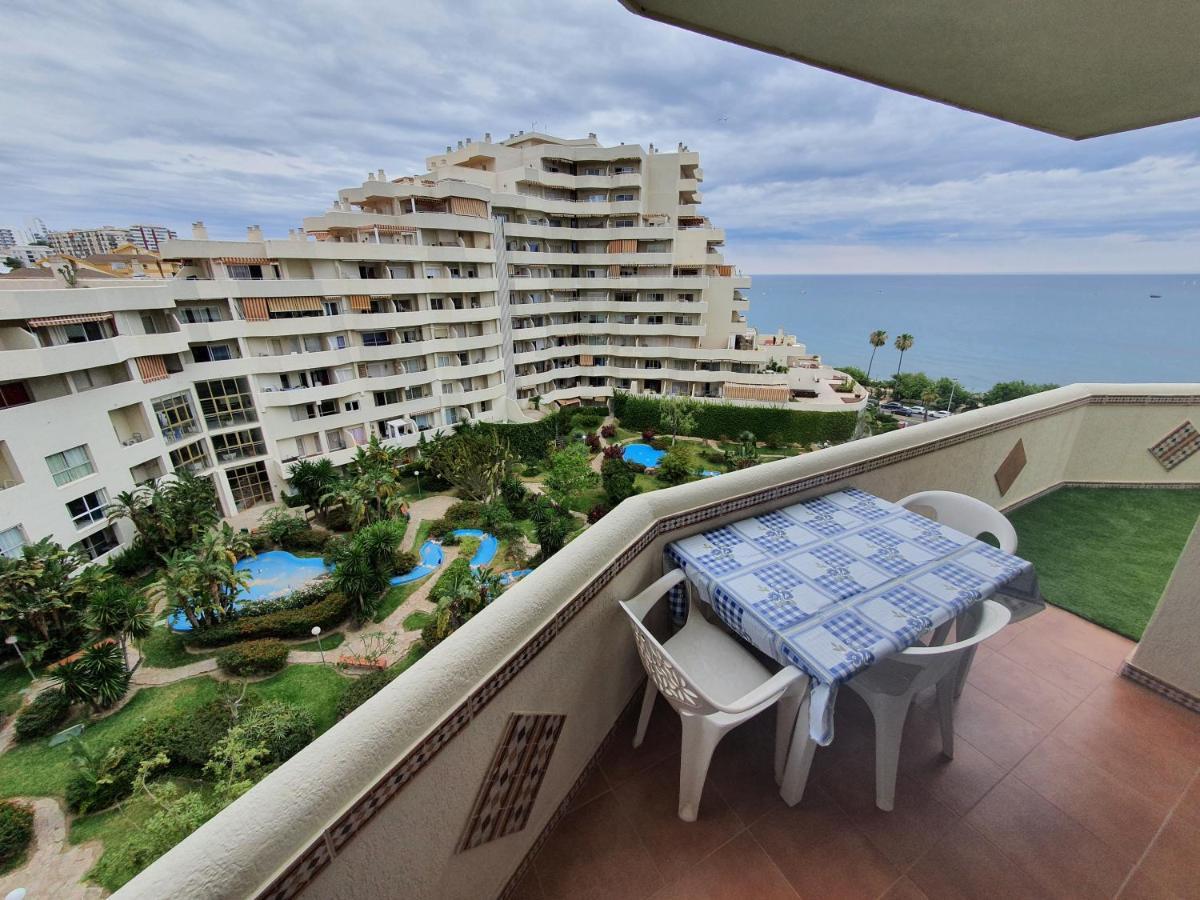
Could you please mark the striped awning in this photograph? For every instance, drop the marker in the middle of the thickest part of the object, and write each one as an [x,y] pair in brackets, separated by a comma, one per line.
[467,206]
[614,271]
[725,271]
[246,260]
[622,246]
[151,368]
[388,229]
[48,321]
[586,359]
[360,302]
[294,304]
[763,393]
[254,309]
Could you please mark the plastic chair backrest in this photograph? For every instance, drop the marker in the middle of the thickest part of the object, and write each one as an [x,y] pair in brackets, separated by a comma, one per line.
[966,514]
[993,617]
[670,679]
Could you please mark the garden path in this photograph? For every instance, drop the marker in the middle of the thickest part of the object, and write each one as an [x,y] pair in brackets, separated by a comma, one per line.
[419,510]
[54,867]
[148,676]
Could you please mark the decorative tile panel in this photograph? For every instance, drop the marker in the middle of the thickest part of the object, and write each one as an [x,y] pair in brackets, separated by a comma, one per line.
[1177,446]
[1011,467]
[514,778]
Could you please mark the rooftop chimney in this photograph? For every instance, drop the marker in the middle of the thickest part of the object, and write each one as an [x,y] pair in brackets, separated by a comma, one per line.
[592,135]
[254,233]
[487,137]
[199,232]
[379,176]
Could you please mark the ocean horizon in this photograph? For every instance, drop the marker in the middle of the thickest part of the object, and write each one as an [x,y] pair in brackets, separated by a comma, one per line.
[982,329]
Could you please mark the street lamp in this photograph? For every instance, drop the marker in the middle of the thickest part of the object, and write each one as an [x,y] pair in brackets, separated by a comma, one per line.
[11,640]
[316,632]
[417,472]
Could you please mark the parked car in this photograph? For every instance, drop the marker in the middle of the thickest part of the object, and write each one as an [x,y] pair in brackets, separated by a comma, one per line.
[940,414]
[893,407]
[918,411]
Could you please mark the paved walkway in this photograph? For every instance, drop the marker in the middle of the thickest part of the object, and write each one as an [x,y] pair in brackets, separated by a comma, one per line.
[421,510]
[54,868]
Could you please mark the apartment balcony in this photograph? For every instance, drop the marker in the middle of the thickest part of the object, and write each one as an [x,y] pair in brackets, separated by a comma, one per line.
[553,232]
[41,361]
[1068,780]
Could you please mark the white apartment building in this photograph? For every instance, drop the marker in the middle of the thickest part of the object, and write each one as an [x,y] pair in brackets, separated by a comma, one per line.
[532,267]
[8,238]
[150,237]
[28,254]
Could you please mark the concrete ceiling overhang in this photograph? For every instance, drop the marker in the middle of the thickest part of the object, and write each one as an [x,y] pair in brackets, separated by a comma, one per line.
[1074,68]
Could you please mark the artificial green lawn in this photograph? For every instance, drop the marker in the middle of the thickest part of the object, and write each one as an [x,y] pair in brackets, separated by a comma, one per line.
[1106,553]
[165,649]
[417,620]
[13,679]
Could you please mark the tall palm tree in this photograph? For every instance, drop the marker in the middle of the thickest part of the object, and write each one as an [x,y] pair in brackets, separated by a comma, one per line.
[903,342]
[877,340]
[928,399]
[116,611]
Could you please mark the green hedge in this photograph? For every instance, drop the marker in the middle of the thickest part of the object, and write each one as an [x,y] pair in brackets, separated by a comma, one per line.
[363,689]
[16,831]
[261,657]
[42,716]
[724,420]
[289,623]
[530,441]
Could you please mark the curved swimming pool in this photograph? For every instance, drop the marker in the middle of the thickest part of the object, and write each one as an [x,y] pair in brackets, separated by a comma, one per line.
[432,556]
[643,455]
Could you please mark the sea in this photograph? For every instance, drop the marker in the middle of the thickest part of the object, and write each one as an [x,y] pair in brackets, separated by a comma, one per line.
[981,329]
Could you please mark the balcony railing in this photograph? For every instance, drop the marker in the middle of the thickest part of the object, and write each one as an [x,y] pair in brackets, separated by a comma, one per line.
[386,795]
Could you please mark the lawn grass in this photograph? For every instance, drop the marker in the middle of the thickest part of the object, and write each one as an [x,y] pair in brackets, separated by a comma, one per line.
[328,642]
[396,595]
[315,688]
[416,620]
[1104,553]
[165,649]
[13,679]
[586,500]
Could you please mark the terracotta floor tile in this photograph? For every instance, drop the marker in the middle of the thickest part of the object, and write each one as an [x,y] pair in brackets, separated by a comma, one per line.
[528,888]
[1089,640]
[821,853]
[1143,886]
[993,728]
[621,760]
[595,785]
[1007,635]
[1028,695]
[959,783]
[743,769]
[740,869]
[1140,709]
[1112,810]
[1189,806]
[595,852]
[1040,653]
[905,889]
[650,800]
[1174,857]
[965,864]
[1064,857]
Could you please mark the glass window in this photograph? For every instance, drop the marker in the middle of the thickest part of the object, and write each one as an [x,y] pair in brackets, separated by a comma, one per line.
[249,485]
[14,394]
[226,401]
[175,416]
[239,444]
[193,457]
[11,542]
[88,509]
[96,545]
[376,338]
[70,465]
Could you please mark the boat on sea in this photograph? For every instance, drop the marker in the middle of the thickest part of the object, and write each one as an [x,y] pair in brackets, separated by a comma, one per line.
[1156,296]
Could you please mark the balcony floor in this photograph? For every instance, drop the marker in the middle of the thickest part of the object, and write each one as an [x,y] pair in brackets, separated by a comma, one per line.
[1068,780]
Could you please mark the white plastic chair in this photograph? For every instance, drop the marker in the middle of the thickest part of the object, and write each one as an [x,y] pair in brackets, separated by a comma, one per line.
[889,686]
[972,517]
[714,684]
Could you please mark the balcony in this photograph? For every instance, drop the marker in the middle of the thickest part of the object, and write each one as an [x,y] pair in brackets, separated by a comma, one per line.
[1068,780]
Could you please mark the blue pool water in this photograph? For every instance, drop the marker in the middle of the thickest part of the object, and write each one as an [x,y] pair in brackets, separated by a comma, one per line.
[709,473]
[273,574]
[431,555]
[509,577]
[643,455]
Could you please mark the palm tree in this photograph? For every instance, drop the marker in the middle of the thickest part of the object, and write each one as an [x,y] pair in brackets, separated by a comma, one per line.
[877,340]
[312,480]
[928,399]
[903,342]
[115,611]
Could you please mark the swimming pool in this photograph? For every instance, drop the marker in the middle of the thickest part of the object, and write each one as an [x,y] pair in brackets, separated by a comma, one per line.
[709,473]
[509,577]
[643,455]
[274,573]
[431,555]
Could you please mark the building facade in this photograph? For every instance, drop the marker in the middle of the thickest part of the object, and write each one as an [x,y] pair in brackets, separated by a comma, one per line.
[150,237]
[85,242]
[510,275]
[8,238]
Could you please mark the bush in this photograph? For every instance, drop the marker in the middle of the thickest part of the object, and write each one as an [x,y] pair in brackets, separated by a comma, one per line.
[44,715]
[515,495]
[596,513]
[259,542]
[439,528]
[288,623]
[283,729]
[713,420]
[406,561]
[16,832]
[648,434]
[281,527]
[450,539]
[587,421]
[309,541]
[260,657]
[533,468]
[676,466]
[132,561]
[468,547]
[618,478]
[313,592]
[363,689]
[593,441]
[337,519]
[464,514]
[608,431]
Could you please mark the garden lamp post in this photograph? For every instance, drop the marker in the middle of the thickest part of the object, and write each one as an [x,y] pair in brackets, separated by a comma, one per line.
[11,640]
[316,632]
[417,472]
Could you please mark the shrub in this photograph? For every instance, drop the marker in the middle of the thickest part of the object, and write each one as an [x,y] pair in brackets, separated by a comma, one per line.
[439,528]
[596,513]
[337,518]
[713,420]
[648,434]
[44,715]
[363,689]
[676,466]
[132,561]
[618,478]
[587,421]
[280,526]
[406,561]
[258,542]
[608,431]
[260,657]
[593,441]
[613,451]
[16,831]
[464,514]
[313,592]
[468,547]
[450,539]
[288,623]
[310,540]
[533,468]
[283,729]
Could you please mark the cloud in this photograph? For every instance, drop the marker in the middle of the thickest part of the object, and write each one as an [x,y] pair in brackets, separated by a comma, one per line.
[258,112]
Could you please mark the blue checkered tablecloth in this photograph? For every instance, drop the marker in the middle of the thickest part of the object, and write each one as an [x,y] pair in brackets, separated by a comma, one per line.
[833,583]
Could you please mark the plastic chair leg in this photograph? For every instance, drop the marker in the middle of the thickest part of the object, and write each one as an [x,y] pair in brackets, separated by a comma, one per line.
[799,758]
[700,739]
[945,702]
[786,710]
[890,713]
[648,698]
[964,669]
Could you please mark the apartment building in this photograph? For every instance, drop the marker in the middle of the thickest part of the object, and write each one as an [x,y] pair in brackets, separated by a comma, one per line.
[84,242]
[8,238]
[530,268]
[150,237]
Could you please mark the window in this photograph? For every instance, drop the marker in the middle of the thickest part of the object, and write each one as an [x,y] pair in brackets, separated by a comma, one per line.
[239,444]
[11,542]
[14,394]
[192,457]
[70,465]
[654,320]
[226,401]
[96,545]
[175,416]
[366,272]
[376,338]
[623,197]
[250,485]
[202,353]
[350,406]
[591,171]
[83,332]
[252,272]
[88,509]
[437,303]
[195,315]
[386,398]
[331,307]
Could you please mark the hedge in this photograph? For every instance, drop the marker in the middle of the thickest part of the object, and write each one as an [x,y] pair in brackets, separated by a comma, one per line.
[42,716]
[16,831]
[288,623]
[261,657]
[724,420]
[530,441]
[311,593]
[363,689]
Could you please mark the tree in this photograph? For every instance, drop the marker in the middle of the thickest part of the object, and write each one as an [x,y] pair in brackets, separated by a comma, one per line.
[14,263]
[364,564]
[856,373]
[677,415]
[570,474]
[928,399]
[746,453]
[170,515]
[774,365]
[552,524]
[203,583]
[877,339]
[619,480]
[312,479]
[99,677]
[903,342]
[911,385]
[367,497]
[40,602]
[115,611]
[473,459]
[1012,390]
[676,466]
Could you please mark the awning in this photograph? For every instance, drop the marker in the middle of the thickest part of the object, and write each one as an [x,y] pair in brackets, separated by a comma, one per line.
[69,320]
[388,229]
[762,393]
[294,304]
[360,302]
[725,271]
[622,246]
[586,360]
[614,271]
[467,206]
[246,260]
[254,309]
[151,368]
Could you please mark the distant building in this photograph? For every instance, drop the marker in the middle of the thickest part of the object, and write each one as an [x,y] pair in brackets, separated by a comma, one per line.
[86,242]
[28,254]
[148,236]
[8,238]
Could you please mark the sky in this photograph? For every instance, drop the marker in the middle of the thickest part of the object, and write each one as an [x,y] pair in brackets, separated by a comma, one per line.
[257,113]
